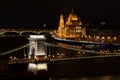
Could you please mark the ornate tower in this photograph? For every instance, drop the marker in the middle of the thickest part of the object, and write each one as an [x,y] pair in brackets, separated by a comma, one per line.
[83,29]
[83,32]
[61,26]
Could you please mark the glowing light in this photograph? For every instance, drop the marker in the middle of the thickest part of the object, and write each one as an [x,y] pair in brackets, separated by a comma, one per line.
[115,38]
[32,67]
[106,78]
[103,37]
[84,78]
[97,37]
[89,36]
[108,37]
[40,53]
[42,66]
[37,36]
[103,23]
[44,25]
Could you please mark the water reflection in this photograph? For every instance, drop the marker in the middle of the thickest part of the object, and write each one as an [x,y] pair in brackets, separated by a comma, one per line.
[106,78]
[91,78]
[32,67]
[84,78]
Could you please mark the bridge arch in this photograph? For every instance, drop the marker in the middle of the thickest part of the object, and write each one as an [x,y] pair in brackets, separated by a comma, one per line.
[24,31]
[43,33]
[11,33]
[28,33]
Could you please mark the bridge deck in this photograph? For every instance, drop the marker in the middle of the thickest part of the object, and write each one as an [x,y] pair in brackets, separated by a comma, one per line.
[46,60]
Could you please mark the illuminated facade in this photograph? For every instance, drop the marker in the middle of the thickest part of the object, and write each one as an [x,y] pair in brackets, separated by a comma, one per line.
[36,46]
[72,28]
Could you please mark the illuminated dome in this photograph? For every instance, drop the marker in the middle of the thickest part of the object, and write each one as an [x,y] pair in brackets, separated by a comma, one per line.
[72,17]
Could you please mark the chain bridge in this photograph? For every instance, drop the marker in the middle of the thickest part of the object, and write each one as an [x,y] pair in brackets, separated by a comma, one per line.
[38,47]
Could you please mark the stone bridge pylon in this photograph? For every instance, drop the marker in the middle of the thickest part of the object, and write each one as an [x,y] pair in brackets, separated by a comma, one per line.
[37,48]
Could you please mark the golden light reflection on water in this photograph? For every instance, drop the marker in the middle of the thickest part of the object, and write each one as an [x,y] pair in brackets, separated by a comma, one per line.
[106,78]
[89,78]
[84,78]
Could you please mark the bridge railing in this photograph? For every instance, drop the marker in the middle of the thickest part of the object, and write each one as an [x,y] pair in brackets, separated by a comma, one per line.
[26,29]
[4,32]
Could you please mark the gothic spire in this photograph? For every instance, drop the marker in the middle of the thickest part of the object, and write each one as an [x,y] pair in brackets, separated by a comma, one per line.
[72,10]
[61,23]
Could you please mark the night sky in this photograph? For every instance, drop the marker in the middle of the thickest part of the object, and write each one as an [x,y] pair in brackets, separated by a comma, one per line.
[48,11]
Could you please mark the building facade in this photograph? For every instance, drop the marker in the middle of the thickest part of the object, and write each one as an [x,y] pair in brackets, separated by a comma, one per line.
[72,28]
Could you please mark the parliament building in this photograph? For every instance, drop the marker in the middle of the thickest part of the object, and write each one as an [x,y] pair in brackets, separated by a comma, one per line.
[72,28]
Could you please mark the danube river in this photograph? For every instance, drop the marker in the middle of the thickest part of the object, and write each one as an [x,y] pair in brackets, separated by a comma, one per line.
[79,69]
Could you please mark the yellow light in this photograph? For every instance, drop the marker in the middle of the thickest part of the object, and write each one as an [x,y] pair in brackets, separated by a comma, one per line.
[115,38]
[42,66]
[32,67]
[103,37]
[89,36]
[97,37]
[108,37]
[37,36]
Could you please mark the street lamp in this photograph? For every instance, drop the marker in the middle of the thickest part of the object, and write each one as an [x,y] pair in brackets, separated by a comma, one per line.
[108,38]
[103,39]
[97,38]
[115,38]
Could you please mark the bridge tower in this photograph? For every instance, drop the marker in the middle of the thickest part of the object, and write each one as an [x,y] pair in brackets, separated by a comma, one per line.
[36,48]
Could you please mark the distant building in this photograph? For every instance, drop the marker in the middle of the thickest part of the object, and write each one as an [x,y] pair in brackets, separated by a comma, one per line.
[72,28]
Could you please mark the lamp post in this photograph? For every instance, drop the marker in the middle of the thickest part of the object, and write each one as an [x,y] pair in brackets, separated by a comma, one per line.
[108,39]
[103,39]
[115,39]
[97,38]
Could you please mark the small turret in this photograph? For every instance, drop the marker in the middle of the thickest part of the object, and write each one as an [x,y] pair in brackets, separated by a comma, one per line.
[61,23]
[61,26]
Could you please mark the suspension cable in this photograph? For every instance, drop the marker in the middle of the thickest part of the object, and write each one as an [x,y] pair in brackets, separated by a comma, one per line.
[13,50]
